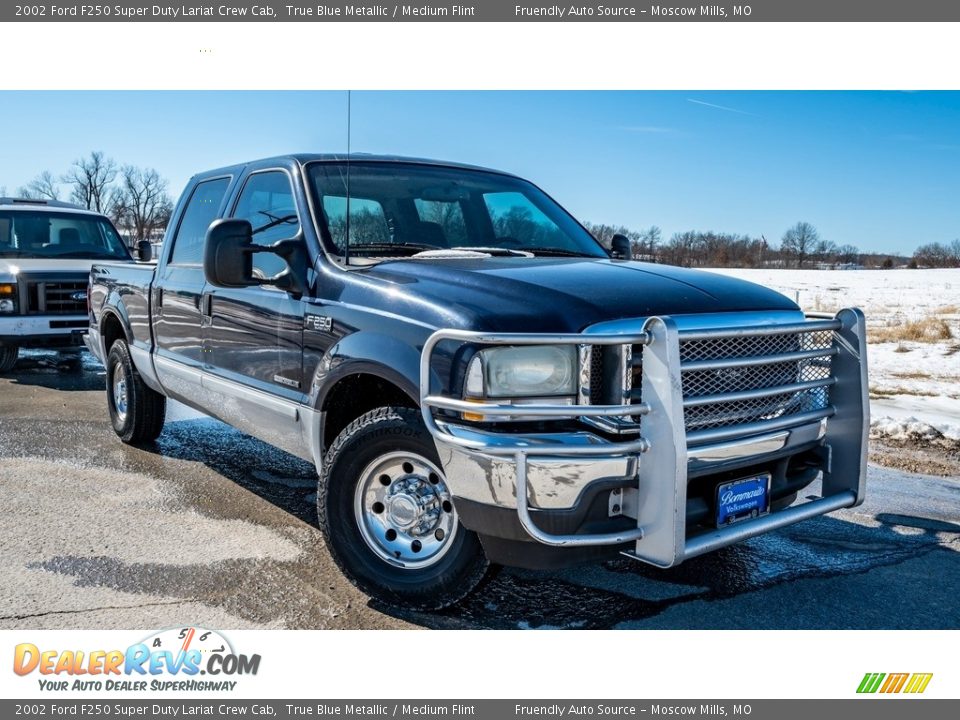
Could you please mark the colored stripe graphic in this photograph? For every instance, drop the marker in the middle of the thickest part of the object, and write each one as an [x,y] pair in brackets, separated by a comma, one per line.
[870,682]
[894,683]
[918,683]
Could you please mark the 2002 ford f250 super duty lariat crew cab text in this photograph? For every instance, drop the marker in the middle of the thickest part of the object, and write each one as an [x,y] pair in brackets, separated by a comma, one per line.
[477,380]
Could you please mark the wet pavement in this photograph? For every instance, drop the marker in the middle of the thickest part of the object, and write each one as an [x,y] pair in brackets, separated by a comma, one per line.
[212,527]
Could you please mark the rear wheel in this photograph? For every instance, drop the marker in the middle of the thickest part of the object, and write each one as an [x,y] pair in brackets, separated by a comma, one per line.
[8,357]
[136,411]
[388,517]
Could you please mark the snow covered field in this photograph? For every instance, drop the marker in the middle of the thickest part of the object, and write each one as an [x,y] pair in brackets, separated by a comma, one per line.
[915,370]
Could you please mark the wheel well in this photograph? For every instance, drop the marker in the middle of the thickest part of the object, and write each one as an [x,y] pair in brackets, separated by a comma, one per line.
[111,330]
[355,395]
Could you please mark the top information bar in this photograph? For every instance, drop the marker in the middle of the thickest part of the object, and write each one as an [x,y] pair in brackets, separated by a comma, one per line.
[490,11]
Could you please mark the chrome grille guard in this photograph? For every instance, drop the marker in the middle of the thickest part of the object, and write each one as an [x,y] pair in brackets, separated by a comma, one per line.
[660,535]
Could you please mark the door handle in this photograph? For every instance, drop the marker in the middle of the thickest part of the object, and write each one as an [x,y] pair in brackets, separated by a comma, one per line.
[206,308]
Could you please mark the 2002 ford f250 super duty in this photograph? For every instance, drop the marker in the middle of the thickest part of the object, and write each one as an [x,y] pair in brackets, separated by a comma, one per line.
[477,380]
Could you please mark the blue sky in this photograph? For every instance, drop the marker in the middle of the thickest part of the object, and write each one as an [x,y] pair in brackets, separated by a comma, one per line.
[880,170]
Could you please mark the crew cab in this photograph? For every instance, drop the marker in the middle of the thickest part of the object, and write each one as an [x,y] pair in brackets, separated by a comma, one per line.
[46,250]
[478,381]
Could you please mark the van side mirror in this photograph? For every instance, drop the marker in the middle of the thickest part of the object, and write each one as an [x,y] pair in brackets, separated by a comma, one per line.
[144,251]
[620,247]
[228,258]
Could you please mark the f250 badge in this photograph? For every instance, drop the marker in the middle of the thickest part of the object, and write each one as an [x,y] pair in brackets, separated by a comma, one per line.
[320,323]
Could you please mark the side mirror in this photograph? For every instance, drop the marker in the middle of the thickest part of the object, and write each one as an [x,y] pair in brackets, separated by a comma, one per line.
[228,258]
[228,254]
[144,251]
[620,247]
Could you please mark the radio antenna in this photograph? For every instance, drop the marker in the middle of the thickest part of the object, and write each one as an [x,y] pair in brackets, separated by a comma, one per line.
[346,242]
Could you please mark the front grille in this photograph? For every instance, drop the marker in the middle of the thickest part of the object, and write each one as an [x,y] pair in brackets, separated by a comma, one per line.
[56,297]
[718,367]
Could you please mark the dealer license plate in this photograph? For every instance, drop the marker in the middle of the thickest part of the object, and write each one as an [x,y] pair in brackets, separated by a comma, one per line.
[742,499]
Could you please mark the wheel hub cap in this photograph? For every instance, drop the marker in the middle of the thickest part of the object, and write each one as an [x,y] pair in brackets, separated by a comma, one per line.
[120,394]
[404,510]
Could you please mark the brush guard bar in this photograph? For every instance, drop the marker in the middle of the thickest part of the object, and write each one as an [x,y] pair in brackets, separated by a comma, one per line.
[660,536]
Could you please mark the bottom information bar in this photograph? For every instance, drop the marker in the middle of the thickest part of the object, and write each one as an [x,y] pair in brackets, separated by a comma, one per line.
[892,708]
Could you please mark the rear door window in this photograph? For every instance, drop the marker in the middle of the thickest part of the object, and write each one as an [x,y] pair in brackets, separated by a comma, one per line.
[202,209]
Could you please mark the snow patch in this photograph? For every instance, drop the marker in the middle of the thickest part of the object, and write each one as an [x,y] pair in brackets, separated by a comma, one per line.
[911,428]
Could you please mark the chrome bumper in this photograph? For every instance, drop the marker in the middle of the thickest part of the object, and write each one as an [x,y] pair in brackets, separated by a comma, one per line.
[551,471]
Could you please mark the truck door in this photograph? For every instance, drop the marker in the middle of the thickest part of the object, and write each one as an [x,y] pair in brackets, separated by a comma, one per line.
[177,293]
[253,342]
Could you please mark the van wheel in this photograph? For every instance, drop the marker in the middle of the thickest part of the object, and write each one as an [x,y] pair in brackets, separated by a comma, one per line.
[387,515]
[8,357]
[137,412]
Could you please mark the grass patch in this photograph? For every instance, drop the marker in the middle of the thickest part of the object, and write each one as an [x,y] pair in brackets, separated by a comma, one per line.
[947,310]
[912,375]
[883,393]
[928,330]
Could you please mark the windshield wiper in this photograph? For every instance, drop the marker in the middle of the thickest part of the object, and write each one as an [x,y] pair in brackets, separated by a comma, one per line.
[83,255]
[403,248]
[557,252]
[508,252]
[275,220]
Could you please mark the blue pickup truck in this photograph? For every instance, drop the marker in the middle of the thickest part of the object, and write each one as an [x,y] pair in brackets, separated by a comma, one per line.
[477,380]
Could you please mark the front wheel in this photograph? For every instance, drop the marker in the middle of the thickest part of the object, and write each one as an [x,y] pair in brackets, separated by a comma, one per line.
[387,515]
[8,357]
[137,412]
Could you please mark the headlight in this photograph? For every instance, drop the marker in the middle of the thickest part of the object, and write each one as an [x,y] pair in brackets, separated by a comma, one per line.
[8,298]
[523,371]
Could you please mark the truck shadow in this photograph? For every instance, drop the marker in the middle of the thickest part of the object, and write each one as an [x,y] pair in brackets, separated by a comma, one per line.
[621,592]
[50,370]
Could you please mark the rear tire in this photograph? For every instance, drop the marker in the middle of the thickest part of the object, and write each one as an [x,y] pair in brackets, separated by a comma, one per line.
[388,518]
[8,357]
[137,412]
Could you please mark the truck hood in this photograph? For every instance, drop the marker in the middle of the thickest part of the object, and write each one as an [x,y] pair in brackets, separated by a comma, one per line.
[562,294]
[30,266]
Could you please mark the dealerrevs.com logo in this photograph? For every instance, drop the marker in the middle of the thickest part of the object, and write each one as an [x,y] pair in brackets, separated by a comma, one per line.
[173,659]
[887,683]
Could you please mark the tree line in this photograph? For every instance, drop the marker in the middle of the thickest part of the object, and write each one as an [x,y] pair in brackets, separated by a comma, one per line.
[937,255]
[135,198]
[801,246]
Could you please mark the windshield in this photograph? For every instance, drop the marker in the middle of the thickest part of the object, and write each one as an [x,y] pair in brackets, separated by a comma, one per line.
[400,210]
[28,234]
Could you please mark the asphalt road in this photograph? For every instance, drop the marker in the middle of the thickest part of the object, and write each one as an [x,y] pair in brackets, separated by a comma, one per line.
[212,527]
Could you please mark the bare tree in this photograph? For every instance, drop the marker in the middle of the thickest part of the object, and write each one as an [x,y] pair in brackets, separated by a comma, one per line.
[90,179]
[646,247]
[800,242]
[141,202]
[848,254]
[43,187]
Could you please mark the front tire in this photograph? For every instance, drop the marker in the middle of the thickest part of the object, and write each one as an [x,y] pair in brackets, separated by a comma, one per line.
[388,518]
[8,357]
[136,411]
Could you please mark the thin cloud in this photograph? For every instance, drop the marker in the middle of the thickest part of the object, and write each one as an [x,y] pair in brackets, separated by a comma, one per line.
[720,107]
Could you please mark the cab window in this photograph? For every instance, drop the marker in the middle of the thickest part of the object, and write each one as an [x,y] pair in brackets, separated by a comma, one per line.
[268,203]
